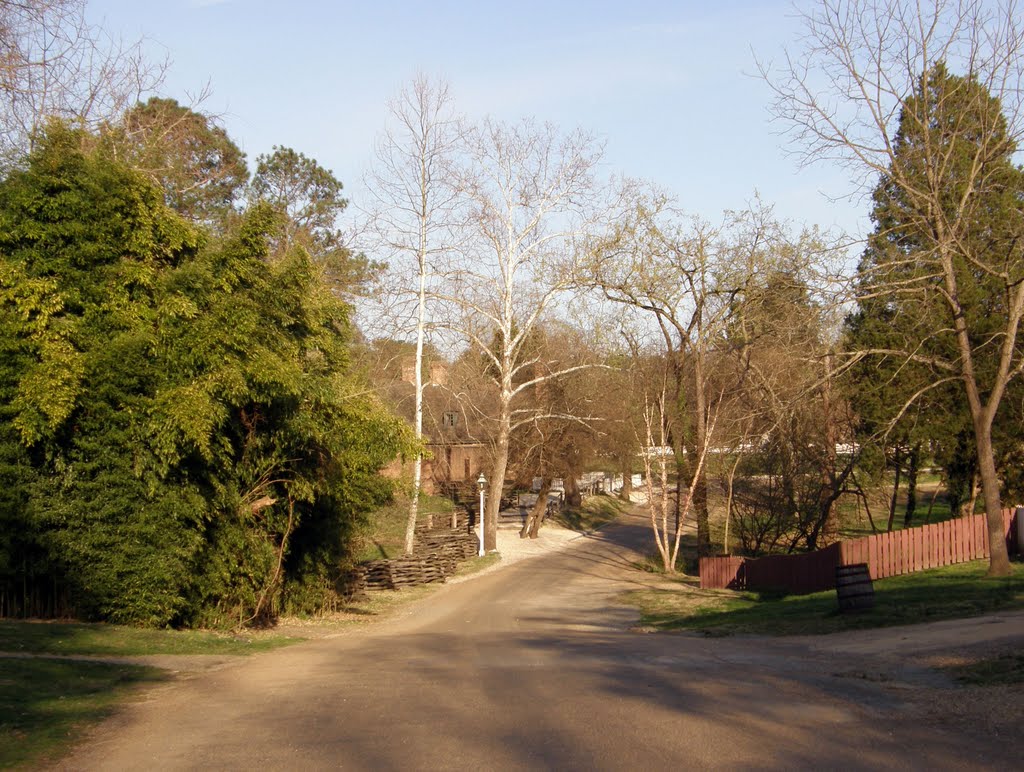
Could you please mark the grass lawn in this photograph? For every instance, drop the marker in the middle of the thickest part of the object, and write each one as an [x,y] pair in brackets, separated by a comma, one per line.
[113,640]
[475,564]
[596,511]
[944,593]
[46,704]
[384,534]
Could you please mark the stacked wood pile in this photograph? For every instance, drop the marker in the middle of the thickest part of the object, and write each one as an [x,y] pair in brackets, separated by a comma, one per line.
[402,572]
[437,554]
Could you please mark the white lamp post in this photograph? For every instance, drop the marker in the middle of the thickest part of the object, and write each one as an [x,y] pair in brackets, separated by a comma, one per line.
[481,482]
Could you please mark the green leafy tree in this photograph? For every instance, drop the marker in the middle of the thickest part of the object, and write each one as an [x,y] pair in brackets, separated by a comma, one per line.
[309,198]
[193,160]
[83,242]
[182,433]
[869,89]
[945,266]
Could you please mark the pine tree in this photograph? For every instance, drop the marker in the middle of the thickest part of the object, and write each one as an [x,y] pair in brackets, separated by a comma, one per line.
[940,279]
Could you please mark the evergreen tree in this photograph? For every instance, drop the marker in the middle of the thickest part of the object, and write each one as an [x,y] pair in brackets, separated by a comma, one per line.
[940,282]
[201,171]
[309,198]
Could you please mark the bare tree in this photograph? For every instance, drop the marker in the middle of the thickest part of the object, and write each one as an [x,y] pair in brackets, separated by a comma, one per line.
[860,92]
[569,414]
[687,275]
[658,417]
[532,198]
[413,213]
[55,64]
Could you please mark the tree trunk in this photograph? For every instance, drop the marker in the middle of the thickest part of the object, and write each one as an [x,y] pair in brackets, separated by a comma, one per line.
[931,501]
[867,511]
[999,559]
[700,513]
[417,468]
[496,482]
[539,520]
[627,483]
[913,459]
[982,416]
[532,523]
[829,524]
[682,473]
[898,466]
[573,498]
[730,489]
[414,506]
[967,508]
[699,489]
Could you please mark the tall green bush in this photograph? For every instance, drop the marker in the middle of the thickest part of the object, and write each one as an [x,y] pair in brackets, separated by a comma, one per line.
[181,440]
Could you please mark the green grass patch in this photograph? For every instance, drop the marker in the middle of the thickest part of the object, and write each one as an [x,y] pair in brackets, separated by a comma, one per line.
[374,605]
[477,564]
[383,536]
[994,671]
[114,640]
[945,593]
[596,511]
[46,704]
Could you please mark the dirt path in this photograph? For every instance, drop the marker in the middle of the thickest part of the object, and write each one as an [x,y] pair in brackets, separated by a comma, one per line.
[534,667]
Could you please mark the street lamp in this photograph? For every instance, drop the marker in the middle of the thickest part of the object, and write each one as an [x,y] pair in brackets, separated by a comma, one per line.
[481,482]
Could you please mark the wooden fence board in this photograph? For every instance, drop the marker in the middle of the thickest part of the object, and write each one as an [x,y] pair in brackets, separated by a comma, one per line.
[887,554]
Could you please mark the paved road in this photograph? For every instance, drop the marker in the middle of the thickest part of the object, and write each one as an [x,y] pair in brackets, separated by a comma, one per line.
[534,667]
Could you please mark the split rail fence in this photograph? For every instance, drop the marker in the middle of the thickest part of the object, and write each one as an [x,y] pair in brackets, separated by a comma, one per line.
[437,554]
[887,554]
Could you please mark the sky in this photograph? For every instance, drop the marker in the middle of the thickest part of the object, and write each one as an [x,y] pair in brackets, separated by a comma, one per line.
[670,87]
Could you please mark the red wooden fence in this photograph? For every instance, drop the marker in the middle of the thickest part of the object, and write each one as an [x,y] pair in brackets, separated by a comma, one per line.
[887,554]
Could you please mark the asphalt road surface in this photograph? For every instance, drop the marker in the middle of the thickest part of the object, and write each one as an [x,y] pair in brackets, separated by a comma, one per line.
[535,667]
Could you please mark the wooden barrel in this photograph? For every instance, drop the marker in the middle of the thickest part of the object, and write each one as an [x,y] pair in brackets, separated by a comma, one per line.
[854,588]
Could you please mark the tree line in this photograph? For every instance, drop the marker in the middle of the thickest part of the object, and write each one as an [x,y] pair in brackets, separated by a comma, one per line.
[184,439]
[749,333]
[192,424]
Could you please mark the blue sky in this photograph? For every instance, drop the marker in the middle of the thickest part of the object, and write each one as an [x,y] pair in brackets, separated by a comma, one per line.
[669,86]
